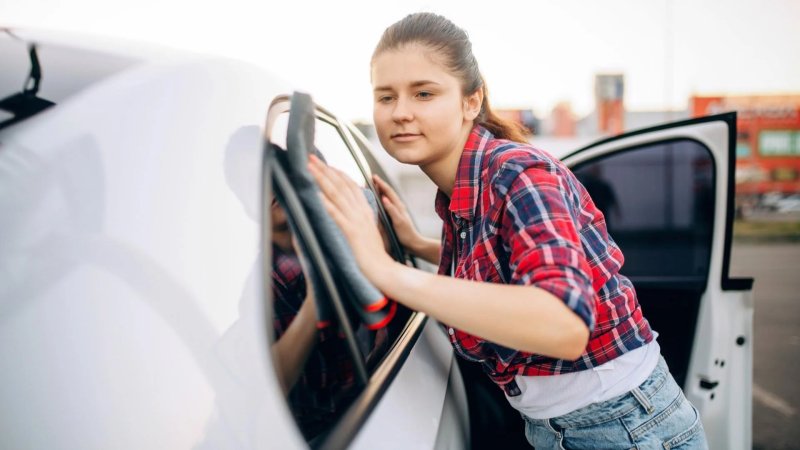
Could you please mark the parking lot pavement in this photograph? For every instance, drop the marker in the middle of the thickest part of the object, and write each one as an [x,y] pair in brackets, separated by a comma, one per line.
[776,352]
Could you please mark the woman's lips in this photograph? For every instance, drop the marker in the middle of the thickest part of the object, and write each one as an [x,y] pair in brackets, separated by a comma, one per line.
[405,137]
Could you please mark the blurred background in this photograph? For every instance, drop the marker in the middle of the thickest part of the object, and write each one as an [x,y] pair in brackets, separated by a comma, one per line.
[572,72]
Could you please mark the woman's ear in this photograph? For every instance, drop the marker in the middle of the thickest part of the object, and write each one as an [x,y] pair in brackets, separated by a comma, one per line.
[472,104]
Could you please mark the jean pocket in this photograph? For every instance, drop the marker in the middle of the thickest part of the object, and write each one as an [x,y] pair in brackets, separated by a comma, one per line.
[541,435]
[694,437]
[662,419]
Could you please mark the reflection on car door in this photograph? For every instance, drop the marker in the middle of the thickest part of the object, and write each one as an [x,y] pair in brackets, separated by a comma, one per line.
[667,195]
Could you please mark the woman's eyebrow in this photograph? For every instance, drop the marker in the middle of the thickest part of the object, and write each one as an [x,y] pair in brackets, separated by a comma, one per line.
[422,83]
[413,85]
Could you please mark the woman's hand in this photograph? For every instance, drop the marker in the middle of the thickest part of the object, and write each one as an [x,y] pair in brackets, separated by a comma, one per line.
[407,234]
[345,202]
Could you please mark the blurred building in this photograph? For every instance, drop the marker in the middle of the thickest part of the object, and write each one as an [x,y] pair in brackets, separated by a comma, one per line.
[767,143]
[609,91]
[610,117]
[562,121]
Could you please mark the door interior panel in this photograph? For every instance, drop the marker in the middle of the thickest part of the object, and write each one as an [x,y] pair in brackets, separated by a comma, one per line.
[493,422]
[672,309]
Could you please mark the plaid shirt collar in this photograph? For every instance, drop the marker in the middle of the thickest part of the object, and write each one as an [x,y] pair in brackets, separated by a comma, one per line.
[466,188]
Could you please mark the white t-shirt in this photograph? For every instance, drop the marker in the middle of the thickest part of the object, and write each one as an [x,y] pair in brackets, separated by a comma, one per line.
[545,397]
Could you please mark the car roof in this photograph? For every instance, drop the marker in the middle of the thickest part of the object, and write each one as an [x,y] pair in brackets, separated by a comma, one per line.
[71,62]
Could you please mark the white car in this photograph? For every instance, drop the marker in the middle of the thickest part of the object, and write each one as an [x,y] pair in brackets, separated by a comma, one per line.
[139,304]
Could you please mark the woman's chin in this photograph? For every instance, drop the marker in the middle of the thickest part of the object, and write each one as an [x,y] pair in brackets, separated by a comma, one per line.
[407,156]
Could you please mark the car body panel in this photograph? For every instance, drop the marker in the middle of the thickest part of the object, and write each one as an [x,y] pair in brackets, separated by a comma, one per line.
[398,422]
[128,301]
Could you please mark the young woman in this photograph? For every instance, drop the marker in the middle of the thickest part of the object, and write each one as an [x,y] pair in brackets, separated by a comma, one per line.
[534,292]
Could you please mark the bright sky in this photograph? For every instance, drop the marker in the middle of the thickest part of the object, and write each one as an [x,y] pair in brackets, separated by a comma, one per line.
[533,53]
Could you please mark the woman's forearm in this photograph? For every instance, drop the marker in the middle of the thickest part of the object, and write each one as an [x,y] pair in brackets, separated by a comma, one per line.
[521,317]
[427,249]
[293,347]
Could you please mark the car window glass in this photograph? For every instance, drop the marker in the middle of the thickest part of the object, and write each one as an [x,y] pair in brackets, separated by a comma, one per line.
[658,202]
[329,143]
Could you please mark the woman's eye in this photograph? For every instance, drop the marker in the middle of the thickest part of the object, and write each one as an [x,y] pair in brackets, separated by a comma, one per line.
[424,95]
[385,99]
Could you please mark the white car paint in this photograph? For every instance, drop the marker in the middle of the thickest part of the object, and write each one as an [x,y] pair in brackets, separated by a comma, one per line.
[126,322]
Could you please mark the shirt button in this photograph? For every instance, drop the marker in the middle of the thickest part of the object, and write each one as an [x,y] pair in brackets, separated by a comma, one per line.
[463,234]
[451,331]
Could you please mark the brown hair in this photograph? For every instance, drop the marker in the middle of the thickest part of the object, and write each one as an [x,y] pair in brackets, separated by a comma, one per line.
[443,36]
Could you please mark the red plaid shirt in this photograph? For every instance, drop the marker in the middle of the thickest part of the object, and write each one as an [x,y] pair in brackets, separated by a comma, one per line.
[519,216]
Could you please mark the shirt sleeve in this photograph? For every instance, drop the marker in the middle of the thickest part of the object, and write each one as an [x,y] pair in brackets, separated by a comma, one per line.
[540,232]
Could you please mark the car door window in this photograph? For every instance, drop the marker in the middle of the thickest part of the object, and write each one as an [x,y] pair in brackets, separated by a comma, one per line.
[658,202]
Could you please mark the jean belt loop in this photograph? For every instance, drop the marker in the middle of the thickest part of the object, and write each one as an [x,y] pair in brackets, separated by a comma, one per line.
[643,400]
[550,424]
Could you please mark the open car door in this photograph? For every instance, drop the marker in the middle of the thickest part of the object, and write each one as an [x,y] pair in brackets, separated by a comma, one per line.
[667,194]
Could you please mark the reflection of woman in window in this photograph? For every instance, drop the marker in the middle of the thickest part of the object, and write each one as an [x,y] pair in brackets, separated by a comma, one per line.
[295,316]
[312,364]
[536,297]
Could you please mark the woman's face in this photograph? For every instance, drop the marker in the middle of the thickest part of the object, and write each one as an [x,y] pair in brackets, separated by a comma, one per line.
[419,111]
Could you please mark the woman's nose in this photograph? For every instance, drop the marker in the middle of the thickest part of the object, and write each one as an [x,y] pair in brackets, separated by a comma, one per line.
[402,111]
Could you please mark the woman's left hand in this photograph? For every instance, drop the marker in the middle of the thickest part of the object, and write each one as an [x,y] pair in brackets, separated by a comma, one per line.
[345,202]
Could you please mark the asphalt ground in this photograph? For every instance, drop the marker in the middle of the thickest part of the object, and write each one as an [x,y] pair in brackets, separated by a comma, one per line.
[776,352]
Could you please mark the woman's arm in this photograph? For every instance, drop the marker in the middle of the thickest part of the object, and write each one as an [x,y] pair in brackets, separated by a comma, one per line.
[528,318]
[291,350]
[293,347]
[521,317]
[428,249]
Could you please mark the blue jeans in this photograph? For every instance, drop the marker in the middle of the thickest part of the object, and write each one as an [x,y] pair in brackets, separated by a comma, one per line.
[655,415]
